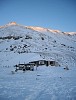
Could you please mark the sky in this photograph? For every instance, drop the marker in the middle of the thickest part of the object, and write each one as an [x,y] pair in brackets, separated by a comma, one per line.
[53,14]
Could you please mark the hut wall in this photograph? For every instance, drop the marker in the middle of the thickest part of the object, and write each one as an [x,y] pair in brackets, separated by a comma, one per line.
[52,63]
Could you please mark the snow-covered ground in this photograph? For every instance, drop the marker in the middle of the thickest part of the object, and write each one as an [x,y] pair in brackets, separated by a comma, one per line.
[45,83]
[22,44]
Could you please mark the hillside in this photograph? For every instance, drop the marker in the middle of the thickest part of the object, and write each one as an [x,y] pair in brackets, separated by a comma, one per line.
[17,40]
[22,44]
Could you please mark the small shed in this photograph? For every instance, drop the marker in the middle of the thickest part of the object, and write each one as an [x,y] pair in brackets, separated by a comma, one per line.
[45,62]
[24,67]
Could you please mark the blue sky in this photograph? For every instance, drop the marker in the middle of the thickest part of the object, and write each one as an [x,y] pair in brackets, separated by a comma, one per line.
[55,14]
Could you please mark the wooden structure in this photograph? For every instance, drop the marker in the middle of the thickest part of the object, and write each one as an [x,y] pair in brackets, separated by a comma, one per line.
[24,67]
[30,65]
[39,62]
[44,62]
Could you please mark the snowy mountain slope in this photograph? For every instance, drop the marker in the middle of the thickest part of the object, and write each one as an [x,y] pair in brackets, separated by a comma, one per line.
[22,44]
[16,40]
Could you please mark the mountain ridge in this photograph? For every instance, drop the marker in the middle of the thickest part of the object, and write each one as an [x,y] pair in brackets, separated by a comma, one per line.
[37,28]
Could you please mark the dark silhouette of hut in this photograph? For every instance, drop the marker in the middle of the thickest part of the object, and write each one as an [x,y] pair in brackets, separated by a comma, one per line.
[24,67]
[44,62]
[30,65]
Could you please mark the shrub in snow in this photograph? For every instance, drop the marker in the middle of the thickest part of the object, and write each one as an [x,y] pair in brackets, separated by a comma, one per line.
[11,46]
[54,41]
[21,40]
[42,38]
[46,48]
[28,37]
[54,46]
[12,72]
[11,49]
[63,44]
[25,45]
[15,46]
[66,68]
[6,48]
[16,37]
